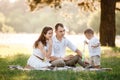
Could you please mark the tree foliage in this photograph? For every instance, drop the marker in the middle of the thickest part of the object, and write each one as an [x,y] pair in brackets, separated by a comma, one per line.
[33,4]
[20,19]
[94,21]
[107,16]
[85,5]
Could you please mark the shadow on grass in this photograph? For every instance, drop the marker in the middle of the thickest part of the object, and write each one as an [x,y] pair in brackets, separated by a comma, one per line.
[116,49]
[6,74]
[20,59]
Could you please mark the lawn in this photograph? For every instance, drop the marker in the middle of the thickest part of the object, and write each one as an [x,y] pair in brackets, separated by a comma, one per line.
[18,56]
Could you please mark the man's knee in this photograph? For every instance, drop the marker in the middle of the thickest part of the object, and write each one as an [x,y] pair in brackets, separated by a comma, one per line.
[73,61]
[58,63]
[76,58]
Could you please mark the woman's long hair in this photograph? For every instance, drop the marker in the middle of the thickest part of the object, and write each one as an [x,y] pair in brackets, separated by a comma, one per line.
[42,37]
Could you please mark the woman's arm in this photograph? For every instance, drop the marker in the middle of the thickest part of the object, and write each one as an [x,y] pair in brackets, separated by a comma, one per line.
[42,49]
[48,53]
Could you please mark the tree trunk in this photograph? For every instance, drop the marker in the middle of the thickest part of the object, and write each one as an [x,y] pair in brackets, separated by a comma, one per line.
[107,25]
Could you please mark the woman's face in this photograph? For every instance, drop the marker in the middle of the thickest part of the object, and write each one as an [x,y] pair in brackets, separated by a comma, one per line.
[49,34]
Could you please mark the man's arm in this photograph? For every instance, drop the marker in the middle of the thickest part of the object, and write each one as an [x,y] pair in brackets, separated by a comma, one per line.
[79,53]
[74,48]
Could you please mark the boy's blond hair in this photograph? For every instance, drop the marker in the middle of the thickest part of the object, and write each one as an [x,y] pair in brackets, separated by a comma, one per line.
[89,31]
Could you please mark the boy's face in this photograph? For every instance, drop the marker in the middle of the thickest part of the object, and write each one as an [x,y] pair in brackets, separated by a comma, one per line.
[88,35]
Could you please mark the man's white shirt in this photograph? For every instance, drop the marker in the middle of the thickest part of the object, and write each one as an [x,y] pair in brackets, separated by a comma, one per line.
[59,47]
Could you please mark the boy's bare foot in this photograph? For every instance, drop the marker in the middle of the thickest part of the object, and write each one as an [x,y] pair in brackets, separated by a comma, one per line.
[98,67]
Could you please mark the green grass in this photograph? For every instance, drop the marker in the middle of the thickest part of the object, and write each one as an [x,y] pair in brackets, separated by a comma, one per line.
[110,58]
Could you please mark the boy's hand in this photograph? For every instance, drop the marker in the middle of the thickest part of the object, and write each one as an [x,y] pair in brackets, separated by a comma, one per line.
[85,62]
[95,46]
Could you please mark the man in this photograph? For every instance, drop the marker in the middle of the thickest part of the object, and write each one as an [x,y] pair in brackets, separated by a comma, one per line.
[60,43]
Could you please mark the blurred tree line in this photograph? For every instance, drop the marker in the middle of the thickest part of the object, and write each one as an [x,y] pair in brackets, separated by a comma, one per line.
[16,18]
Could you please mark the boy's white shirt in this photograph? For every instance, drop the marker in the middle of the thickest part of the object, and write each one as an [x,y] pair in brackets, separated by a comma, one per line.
[94,51]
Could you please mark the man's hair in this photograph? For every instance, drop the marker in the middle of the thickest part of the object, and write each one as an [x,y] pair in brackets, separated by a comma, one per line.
[89,31]
[58,25]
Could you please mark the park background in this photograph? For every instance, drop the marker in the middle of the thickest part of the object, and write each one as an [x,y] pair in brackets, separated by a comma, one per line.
[19,28]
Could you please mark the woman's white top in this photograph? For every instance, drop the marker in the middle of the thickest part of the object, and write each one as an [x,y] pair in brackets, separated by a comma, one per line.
[35,61]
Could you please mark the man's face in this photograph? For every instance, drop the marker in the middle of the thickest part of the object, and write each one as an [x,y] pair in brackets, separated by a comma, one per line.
[60,32]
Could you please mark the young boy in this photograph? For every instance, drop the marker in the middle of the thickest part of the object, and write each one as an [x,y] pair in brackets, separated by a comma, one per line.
[94,48]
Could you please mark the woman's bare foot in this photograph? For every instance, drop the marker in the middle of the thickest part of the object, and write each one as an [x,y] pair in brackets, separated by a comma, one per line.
[28,67]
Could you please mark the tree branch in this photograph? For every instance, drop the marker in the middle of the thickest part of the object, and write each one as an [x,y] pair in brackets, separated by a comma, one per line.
[118,9]
[117,0]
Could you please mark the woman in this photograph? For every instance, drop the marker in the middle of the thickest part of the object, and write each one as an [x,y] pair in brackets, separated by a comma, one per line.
[42,50]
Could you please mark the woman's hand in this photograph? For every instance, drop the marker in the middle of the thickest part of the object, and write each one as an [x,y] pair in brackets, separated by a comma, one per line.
[50,42]
[49,51]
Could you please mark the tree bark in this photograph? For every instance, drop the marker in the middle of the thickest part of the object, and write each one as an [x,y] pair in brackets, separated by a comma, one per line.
[107,25]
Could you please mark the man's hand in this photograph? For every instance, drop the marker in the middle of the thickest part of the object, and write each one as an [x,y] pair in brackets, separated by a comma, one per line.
[86,62]
[52,58]
[68,57]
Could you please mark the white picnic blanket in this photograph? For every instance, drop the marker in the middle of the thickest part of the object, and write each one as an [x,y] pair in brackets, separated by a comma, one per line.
[18,67]
[76,69]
